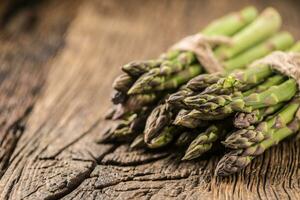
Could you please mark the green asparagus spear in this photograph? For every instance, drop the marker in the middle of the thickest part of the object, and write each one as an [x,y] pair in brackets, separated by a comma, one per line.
[236,160]
[202,81]
[243,80]
[273,80]
[184,119]
[191,88]
[272,96]
[195,117]
[137,102]
[178,79]
[240,80]
[176,99]
[295,47]
[231,23]
[200,100]
[156,77]
[171,72]
[245,120]
[138,142]
[123,82]
[280,41]
[245,138]
[265,25]
[158,119]
[212,102]
[204,141]
[137,68]
[165,137]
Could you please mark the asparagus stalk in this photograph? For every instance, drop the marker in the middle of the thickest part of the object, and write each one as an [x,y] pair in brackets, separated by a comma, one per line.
[245,138]
[138,142]
[295,47]
[270,97]
[215,101]
[137,102]
[174,81]
[197,116]
[175,100]
[202,81]
[231,23]
[184,119]
[236,160]
[158,119]
[243,80]
[245,120]
[199,101]
[174,61]
[134,70]
[184,99]
[280,41]
[156,77]
[191,88]
[240,80]
[165,137]
[123,82]
[236,81]
[204,141]
[220,106]
[273,80]
[138,68]
[265,25]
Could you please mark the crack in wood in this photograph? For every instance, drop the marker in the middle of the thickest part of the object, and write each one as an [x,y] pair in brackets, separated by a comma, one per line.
[70,190]
[16,129]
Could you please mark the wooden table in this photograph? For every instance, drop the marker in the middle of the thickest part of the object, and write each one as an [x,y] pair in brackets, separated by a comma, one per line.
[57,62]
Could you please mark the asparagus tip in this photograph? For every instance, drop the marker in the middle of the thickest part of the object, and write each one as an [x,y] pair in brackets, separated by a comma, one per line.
[132,90]
[137,143]
[185,158]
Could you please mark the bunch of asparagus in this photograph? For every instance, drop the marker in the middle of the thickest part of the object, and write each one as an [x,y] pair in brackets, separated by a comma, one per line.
[206,108]
[145,83]
[261,104]
[276,41]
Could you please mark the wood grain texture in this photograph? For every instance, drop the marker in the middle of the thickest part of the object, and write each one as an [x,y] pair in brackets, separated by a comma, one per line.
[55,85]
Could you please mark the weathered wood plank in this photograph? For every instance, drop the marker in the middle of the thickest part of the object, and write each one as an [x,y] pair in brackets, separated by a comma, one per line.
[57,154]
[24,49]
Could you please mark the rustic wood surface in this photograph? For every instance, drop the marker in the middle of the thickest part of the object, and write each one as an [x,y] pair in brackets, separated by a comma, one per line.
[57,62]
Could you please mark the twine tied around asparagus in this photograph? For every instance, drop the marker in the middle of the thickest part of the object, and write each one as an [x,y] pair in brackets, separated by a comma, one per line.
[202,46]
[287,63]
